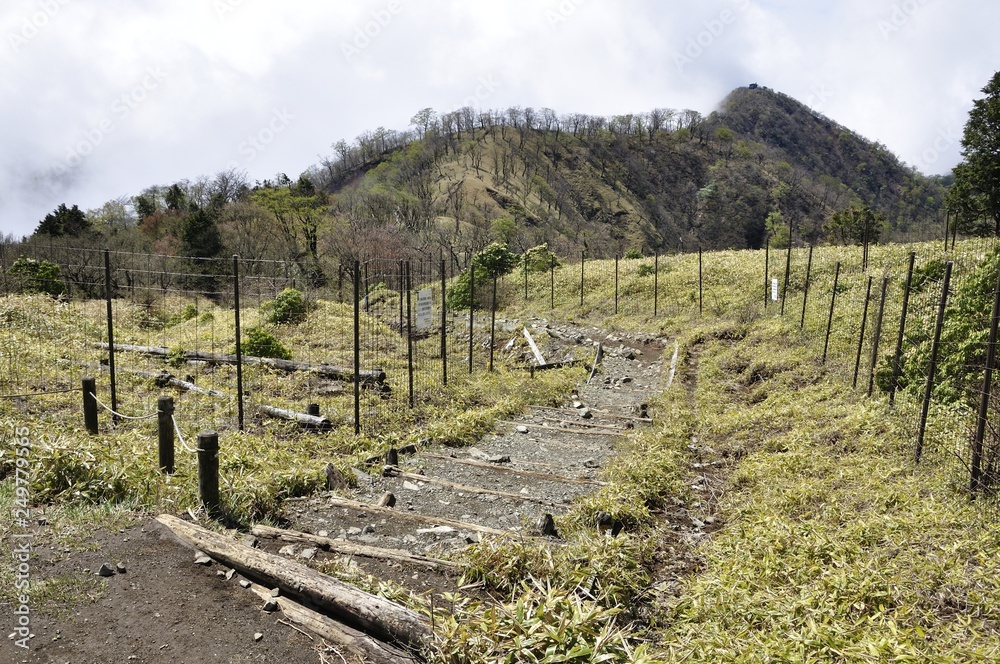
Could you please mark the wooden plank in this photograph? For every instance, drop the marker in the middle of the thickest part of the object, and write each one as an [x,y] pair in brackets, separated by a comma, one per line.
[515,471]
[337,501]
[376,615]
[534,347]
[581,432]
[352,549]
[468,488]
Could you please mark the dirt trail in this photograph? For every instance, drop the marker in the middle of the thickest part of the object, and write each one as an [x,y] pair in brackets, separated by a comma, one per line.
[164,608]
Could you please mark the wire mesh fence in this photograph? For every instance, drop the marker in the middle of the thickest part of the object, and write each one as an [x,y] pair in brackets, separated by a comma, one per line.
[912,327]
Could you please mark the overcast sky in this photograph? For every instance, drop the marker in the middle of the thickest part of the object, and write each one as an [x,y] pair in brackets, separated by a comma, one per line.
[101,99]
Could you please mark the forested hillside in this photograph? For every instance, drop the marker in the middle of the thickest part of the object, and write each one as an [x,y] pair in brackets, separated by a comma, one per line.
[666,180]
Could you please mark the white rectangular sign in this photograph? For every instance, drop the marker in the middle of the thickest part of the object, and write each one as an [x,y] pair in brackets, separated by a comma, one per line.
[425,309]
[774,290]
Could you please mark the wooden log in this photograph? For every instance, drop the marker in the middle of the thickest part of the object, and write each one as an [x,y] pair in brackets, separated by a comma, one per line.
[335,633]
[375,615]
[586,425]
[581,432]
[325,370]
[346,503]
[539,359]
[468,488]
[350,549]
[305,419]
[515,471]
[162,379]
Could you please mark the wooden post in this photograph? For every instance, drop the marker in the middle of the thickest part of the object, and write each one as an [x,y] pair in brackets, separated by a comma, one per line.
[357,347]
[833,301]
[208,470]
[984,400]
[656,283]
[312,409]
[897,356]
[861,337]
[111,334]
[805,294]
[165,433]
[929,385]
[444,326]
[493,322]
[90,405]
[239,344]
[878,336]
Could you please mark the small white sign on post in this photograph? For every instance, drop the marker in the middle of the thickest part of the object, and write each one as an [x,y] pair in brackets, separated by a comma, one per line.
[425,309]
[774,290]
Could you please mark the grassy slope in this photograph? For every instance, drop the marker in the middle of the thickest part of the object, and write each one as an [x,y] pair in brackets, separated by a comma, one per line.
[836,546]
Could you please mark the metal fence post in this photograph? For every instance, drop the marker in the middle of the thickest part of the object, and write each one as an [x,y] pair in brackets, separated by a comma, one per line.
[878,335]
[552,283]
[472,305]
[767,271]
[444,327]
[805,294]
[898,354]
[833,302]
[493,321]
[788,273]
[239,344]
[929,385]
[616,284]
[409,335]
[111,335]
[357,347]
[984,399]
[701,283]
[861,337]
[583,255]
[656,284]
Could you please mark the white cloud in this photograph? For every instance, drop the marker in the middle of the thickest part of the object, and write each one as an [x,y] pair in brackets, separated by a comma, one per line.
[344,68]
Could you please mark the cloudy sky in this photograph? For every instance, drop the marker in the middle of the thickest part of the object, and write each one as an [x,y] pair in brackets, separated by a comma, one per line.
[100,99]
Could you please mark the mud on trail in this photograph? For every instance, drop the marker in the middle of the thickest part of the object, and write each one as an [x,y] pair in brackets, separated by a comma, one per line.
[520,479]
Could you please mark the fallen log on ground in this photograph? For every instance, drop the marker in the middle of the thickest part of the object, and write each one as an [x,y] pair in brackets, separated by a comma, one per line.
[305,419]
[376,615]
[366,376]
[352,549]
[337,634]
[347,503]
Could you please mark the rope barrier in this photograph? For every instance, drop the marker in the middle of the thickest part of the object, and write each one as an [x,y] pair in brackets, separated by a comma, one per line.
[141,417]
[38,394]
[180,437]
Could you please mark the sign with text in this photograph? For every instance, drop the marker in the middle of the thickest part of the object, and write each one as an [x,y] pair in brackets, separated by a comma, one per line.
[774,290]
[425,309]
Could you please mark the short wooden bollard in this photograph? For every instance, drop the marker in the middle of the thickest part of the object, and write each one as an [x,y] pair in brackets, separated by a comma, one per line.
[313,409]
[90,405]
[208,470]
[165,432]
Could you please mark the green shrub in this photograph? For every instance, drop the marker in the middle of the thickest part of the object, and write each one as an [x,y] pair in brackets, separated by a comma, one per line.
[37,277]
[189,311]
[539,259]
[288,307]
[645,270]
[632,254]
[260,343]
[492,262]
